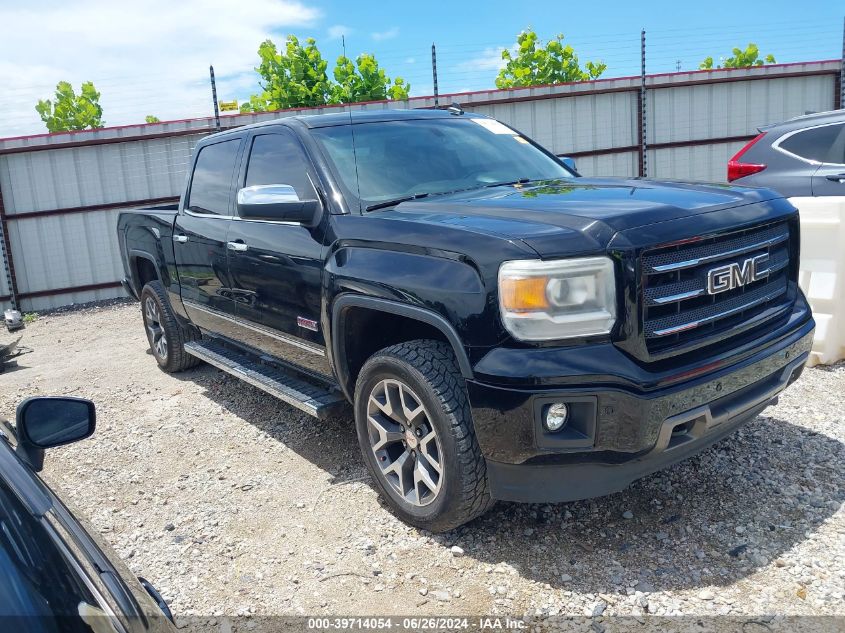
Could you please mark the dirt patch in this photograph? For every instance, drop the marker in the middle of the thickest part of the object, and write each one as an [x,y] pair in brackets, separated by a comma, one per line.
[231,502]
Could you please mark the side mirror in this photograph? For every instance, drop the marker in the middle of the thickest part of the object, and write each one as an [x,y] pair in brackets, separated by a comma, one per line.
[45,422]
[569,163]
[279,203]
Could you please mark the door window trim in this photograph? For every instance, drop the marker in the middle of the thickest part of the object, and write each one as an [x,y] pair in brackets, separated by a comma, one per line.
[243,170]
[809,161]
[72,551]
[235,169]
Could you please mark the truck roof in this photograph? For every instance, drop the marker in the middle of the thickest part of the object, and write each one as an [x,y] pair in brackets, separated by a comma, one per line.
[344,118]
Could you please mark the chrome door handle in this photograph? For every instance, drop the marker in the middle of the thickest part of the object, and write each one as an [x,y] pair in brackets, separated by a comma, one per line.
[180,238]
[836,177]
[238,247]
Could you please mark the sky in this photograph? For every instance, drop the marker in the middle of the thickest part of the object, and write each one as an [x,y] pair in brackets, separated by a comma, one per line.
[152,56]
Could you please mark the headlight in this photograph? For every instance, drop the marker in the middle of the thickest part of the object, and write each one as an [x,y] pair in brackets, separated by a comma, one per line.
[557,299]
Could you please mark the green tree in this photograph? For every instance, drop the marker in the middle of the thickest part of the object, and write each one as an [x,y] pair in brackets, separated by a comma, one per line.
[257,103]
[151,118]
[297,77]
[69,111]
[554,63]
[365,81]
[292,78]
[741,59]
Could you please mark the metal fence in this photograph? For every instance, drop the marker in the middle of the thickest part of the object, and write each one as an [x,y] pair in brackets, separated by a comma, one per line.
[60,193]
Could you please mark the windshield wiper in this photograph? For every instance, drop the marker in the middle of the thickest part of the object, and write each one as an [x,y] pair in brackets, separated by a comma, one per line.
[393,203]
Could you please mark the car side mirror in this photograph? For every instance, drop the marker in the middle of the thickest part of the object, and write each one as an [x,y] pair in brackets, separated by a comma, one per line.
[278,203]
[569,163]
[46,422]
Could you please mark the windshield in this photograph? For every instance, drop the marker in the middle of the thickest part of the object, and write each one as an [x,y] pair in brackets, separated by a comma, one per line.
[401,159]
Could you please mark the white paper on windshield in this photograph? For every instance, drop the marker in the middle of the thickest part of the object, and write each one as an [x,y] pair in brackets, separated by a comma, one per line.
[494,126]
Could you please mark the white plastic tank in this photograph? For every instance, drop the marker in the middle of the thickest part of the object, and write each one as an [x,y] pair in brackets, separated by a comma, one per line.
[822,273]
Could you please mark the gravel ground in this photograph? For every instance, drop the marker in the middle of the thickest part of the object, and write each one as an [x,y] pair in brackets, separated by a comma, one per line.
[233,503]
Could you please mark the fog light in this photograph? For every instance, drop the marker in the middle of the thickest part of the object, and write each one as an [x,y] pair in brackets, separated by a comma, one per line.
[556,417]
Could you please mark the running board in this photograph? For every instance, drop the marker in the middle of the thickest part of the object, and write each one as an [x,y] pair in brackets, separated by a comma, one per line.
[304,391]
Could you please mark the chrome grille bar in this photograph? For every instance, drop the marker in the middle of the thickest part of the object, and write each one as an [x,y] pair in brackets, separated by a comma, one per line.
[697,255]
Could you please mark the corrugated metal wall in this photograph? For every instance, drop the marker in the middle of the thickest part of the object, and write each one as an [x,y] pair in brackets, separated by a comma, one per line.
[61,193]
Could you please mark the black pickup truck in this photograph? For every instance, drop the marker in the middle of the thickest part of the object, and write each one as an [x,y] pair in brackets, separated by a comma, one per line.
[503,328]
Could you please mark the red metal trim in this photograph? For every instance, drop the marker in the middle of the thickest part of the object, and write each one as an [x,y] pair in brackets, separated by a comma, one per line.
[68,290]
[668,145]
[104,141]
[717,70]
[728,80]
[703,141]
[108,128]
[96,207]
[545,97]
[601,152]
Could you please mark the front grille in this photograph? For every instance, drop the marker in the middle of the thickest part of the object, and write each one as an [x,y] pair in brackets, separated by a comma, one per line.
[678,309]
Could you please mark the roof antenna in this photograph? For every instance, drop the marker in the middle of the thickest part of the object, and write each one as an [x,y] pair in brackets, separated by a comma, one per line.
[352,132]
[455,109]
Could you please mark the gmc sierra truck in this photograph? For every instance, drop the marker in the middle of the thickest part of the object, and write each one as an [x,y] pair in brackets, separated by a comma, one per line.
[503,328]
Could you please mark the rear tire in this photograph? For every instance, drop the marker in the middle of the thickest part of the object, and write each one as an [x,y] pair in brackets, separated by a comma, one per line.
[165,335]
[416,434]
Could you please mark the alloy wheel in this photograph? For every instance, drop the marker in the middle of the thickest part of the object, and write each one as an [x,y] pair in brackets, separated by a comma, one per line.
[404,442]
[155,331]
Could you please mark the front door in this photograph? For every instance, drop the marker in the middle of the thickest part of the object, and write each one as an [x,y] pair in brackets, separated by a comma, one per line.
[277,268]
[199,236]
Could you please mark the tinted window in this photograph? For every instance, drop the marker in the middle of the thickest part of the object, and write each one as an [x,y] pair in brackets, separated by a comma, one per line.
[211,183]
[403,158]
[37,580]
[816,143]
[278,159]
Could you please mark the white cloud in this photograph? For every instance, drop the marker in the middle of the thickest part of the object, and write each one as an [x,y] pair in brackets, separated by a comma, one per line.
[411,60]
[145,58]
[385,35]
[489,59]
[339,30]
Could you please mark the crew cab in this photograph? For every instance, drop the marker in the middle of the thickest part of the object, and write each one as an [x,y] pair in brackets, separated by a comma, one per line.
[503,328]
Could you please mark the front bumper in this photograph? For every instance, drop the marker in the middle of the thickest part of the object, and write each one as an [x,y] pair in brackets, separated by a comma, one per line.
[632,433]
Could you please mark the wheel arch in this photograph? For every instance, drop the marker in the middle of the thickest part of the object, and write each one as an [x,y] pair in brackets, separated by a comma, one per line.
[143,268]
[413,320]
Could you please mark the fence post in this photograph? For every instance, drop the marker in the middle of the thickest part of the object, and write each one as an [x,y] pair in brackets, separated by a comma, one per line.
[641,111]
[842,71]
[6,255]
[434,74]
[214,98]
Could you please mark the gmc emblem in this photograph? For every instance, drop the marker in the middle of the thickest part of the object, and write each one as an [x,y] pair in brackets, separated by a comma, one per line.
[737,274]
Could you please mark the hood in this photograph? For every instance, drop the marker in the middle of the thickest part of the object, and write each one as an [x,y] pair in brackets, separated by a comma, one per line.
[572,210]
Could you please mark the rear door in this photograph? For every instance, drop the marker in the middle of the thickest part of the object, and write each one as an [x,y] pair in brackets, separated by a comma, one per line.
[276,269]
[199,236]
[809,154]
[829,179]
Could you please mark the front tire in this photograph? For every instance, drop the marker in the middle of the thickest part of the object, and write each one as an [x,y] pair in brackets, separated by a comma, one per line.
[415,430]
[165,335]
